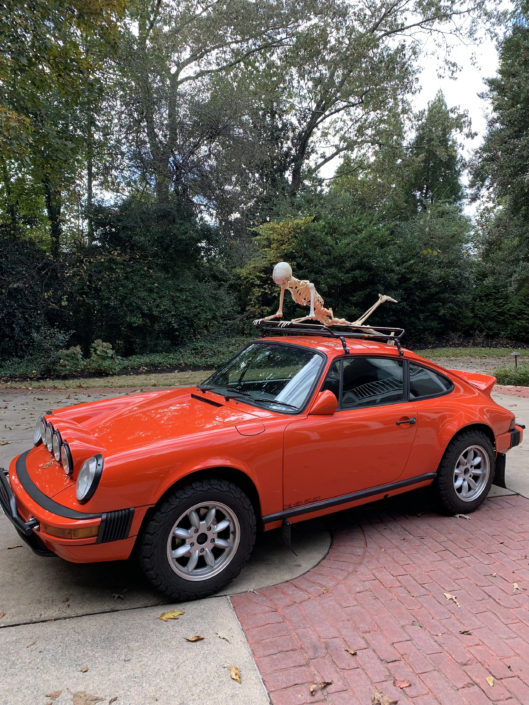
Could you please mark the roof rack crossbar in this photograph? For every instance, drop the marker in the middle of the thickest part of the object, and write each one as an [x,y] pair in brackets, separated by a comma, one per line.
[378,333]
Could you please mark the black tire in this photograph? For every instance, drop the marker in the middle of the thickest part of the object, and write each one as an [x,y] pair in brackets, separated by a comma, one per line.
[152,547]
[445,494]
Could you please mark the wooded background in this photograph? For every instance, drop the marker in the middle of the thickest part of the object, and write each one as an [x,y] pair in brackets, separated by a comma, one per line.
[157,157]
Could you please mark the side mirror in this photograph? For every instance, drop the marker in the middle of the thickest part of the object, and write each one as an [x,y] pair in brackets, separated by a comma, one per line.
[326,404]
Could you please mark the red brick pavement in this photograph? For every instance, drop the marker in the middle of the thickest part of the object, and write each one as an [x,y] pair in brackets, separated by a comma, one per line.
[380,592]
[512,391]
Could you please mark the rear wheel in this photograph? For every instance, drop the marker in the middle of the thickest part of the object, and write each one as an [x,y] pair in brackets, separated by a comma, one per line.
[465,474]
[198,540]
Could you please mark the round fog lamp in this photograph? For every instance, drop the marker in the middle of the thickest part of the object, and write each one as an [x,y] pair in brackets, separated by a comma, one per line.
[56,444]
[42,426]
[49,437]
[66,458]
[37,433]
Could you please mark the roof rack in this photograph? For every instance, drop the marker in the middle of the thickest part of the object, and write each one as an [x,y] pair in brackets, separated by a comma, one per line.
[341,332]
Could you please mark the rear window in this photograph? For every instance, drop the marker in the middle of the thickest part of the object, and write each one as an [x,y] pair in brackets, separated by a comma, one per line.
[427,383]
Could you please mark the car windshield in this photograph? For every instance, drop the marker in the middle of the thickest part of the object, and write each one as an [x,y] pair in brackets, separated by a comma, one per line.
[279,376]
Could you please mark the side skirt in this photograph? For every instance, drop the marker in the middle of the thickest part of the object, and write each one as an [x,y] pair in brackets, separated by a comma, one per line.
[346,498]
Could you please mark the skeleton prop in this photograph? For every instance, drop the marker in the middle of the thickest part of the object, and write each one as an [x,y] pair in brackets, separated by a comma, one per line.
[304,293]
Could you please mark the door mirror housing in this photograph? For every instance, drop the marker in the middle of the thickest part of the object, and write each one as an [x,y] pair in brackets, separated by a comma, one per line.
[326,404]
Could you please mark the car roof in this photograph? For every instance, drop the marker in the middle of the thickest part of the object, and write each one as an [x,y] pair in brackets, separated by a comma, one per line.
[334,348]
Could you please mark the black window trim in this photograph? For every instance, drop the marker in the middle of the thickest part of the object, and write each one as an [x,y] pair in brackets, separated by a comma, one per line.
[429,396]
[405,381]
[265,341]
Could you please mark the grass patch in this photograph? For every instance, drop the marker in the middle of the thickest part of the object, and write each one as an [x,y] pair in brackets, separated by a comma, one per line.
[207,352]
[517,376]
[468,352]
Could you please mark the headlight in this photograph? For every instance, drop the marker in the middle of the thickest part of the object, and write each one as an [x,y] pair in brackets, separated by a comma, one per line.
[56,444]
[43,425]
[37,433]
[49,436]
[66,458]
[88,478]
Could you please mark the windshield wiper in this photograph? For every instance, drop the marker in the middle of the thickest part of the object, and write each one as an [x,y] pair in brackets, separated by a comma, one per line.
[273,401]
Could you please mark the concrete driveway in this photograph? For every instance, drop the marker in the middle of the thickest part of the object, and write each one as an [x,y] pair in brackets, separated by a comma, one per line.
[95,629]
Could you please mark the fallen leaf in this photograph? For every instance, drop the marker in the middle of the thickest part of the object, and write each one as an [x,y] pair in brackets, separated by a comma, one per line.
[84,669]
[416,624]
[173,614]
[84,698]
[235,674]
[515,587]
[66,599]
[462,516]
[378,698]
[402,684]
[194,638]
[54,695]
[452,597]
[223,637]
[350,651]
[112,700]
[490,680]
[10,548]
[32,644]
[382,549]
[5,443]
[466,632]
[494,575]
[313,688]
[48,465]
[2,614]
[324,589]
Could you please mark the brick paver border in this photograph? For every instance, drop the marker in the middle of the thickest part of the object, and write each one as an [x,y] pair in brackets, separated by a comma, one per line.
[381,593]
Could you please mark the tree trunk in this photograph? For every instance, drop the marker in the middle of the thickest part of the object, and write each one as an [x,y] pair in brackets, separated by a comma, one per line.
[90,180]
[53,208]
[11,206]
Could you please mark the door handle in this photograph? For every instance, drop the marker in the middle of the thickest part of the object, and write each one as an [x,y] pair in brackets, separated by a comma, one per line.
[410,421]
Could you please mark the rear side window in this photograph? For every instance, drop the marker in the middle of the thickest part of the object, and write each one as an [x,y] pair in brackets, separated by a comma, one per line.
[371,381]
[427,383]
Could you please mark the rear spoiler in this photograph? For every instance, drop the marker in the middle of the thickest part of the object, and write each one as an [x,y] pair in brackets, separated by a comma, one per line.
[484,383]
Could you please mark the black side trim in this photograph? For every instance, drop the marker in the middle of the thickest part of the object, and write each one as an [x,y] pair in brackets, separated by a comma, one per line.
[345,499]
[41,499]
[515,437]
[499,471]
[115,525]
[206,401]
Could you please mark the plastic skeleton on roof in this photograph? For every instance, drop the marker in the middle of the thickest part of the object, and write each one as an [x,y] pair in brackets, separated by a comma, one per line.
[304,293]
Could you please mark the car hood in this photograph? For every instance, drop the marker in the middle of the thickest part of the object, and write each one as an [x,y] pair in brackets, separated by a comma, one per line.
[154,418]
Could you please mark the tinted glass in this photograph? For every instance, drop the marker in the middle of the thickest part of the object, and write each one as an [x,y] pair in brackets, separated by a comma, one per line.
[332,381]
[425,383]
[280,376]
[370,381]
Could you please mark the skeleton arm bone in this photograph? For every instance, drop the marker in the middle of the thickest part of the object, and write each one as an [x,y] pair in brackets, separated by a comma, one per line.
[279,313]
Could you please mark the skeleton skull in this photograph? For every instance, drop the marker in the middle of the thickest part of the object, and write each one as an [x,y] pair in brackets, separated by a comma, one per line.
[282,273]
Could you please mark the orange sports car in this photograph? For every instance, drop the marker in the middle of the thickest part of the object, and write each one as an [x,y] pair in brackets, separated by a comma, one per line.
[308,421]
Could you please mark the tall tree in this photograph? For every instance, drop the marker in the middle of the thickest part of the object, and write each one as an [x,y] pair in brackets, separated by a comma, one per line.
[435,164]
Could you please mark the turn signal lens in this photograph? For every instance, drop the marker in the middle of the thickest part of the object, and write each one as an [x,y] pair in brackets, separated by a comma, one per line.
[83,532]
[513,424]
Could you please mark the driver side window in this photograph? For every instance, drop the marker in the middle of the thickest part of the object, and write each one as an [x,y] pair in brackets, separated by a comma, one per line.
[372,381]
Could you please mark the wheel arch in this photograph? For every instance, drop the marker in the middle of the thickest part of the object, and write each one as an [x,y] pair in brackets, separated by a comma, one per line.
[237,477]
[477,426]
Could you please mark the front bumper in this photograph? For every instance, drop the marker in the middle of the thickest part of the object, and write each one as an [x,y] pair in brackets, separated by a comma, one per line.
[25,529]
[29,510]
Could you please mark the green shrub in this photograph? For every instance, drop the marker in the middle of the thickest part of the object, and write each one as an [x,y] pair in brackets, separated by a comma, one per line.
[517,376]
[103,359]
[72,361]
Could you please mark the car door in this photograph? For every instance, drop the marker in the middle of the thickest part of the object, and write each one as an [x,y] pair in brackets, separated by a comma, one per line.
[366,443]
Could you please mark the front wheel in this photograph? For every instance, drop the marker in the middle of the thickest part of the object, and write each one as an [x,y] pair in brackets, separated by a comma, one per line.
[198,540]
[465,474]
